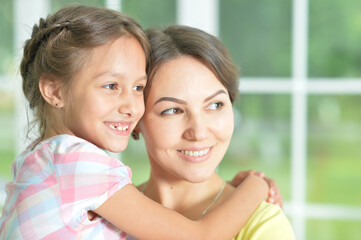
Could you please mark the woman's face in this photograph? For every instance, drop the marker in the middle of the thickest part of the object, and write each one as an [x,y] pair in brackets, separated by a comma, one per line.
[188,120]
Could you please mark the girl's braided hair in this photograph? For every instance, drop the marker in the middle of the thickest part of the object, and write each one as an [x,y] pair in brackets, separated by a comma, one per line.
[60,46]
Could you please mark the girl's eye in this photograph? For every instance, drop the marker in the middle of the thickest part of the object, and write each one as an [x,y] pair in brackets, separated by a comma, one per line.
[215,106]
[171,111]
[111,86]
[139,88]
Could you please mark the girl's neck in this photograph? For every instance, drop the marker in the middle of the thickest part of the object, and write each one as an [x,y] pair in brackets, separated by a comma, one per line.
[58,130]
[189,199]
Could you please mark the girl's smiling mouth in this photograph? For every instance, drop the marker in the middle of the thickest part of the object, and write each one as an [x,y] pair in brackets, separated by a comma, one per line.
[119,127]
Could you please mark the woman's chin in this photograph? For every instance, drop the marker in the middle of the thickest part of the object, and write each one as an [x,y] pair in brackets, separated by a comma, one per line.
[198,177]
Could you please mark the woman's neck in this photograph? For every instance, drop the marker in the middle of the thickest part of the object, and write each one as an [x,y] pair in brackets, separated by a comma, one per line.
[189,199]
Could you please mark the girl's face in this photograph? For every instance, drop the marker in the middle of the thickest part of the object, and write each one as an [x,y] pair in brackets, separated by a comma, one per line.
[188,121]
[107,95]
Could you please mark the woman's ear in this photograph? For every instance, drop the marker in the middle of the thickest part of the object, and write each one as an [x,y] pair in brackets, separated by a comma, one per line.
[51,91]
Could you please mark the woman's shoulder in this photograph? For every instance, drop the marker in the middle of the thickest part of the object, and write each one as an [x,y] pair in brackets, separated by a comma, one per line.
[267,222]
[267,210]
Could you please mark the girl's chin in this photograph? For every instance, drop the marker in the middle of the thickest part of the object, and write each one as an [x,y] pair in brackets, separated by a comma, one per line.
[116,148]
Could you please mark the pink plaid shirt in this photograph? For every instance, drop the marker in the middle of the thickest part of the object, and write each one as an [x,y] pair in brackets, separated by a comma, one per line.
[55,184]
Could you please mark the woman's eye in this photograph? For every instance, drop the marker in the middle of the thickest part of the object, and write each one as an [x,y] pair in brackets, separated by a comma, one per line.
[139,88]
[111,86]
[171,111]
[215,106]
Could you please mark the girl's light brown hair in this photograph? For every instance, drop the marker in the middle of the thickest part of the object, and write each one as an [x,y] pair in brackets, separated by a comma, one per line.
[60,46]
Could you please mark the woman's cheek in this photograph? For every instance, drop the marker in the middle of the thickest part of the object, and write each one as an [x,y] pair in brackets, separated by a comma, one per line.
[224,125]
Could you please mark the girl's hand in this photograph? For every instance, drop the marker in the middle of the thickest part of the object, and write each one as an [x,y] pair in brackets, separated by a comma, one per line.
[274,194]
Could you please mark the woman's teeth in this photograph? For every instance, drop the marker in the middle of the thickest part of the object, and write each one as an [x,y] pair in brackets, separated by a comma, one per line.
[195,153]
[119,128]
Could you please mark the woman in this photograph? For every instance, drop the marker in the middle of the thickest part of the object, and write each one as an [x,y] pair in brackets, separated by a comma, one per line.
[187,127]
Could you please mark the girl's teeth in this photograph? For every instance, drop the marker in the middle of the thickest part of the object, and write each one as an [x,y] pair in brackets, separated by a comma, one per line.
[119,128]
[195,153]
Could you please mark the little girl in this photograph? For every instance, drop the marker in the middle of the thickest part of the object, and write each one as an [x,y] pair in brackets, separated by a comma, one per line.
[83,74]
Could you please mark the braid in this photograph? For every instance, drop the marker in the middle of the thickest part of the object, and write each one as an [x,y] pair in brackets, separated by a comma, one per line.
[60,46]
[39,39]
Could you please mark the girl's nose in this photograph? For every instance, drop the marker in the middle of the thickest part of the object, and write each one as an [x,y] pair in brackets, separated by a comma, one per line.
[128,104]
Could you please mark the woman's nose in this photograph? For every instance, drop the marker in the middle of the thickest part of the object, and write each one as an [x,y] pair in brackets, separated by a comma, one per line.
[197,128]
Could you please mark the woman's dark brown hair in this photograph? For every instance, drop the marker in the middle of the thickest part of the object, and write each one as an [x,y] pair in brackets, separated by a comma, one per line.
[175,41]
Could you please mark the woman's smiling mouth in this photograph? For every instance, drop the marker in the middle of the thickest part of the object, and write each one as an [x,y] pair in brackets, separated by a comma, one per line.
[195,156]
[195,153]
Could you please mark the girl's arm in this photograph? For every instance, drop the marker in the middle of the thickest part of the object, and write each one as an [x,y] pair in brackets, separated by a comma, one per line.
[143,218]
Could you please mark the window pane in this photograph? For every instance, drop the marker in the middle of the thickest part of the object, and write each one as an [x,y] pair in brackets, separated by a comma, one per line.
[57,4]
[7,141]
[7,126]
[334,41]
[6,39]
[261,140]
[258,34]
[334,152]
[135,156]
[151,13]
[333,230]
[8,70]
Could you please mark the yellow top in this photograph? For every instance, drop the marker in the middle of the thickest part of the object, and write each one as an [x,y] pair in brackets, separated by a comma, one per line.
[267,222]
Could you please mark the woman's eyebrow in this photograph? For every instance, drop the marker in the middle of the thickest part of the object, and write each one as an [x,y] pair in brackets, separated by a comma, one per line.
[177,100]
[170,99]
[214,94]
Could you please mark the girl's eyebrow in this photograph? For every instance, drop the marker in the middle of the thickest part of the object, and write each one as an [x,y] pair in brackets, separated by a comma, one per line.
[118,75]
[177,100]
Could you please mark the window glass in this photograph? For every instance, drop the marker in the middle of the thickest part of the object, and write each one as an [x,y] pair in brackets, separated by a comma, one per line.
[8,70]
[258,34]
[135,156]
[6,39]
[261,139]
[57,4]
[151,13]
[334,153]
[7,126]
[333,230]
[334,38]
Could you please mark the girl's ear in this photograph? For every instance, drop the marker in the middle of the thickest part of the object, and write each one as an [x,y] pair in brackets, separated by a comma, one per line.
[51,91]
[135,133]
